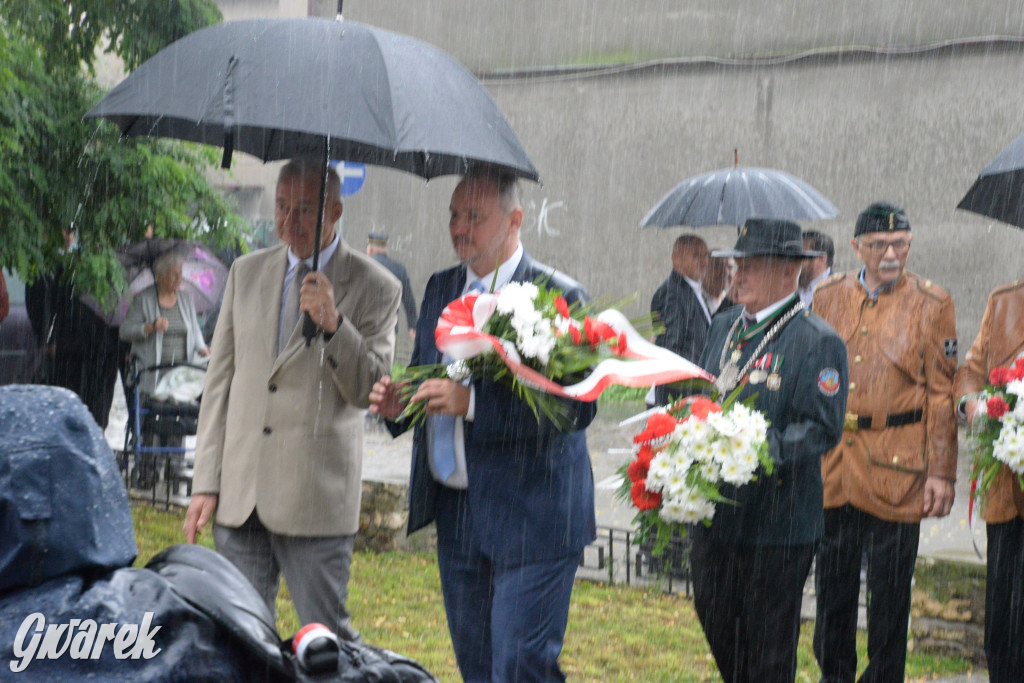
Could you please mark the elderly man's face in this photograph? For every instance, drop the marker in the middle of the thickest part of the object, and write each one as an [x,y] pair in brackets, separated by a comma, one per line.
[297,200]
[761,281]
[884,254]
[482,233]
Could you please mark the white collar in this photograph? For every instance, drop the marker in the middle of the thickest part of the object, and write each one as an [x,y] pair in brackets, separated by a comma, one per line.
[768,310]
[505,271]
[325,255]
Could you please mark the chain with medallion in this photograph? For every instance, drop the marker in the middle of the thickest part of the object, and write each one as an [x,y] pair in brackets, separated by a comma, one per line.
[729,372]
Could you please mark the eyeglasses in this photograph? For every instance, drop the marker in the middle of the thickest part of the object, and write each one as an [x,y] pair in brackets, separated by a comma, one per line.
[879,247]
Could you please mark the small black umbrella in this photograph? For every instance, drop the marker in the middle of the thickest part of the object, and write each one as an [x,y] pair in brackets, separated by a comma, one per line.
[997,193]
[732,195]
[283,88]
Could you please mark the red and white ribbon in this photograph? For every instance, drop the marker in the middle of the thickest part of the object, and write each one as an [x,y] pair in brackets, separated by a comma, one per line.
[460,335]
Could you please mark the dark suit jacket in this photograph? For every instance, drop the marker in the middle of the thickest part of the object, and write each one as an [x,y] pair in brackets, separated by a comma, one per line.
[806,419]
[408,299]
[675,305]
[531,488]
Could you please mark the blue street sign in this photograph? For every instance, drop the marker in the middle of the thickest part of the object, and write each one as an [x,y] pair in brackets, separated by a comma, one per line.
[352,174]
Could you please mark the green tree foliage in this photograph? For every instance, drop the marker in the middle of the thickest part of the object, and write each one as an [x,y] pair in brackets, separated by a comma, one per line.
[60,173]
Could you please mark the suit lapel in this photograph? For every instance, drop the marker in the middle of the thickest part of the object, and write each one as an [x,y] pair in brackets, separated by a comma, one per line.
[269,301]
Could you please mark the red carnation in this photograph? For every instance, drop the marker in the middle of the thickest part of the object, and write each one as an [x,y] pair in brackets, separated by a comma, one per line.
[642,498]
[561,306]
[590,332]
[660,424]
[996,407]
[574,332]
[999,376]
[620,347]
[702,407]
[637,470]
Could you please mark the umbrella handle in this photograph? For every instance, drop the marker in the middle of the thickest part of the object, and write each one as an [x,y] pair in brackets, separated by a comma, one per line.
[309,328]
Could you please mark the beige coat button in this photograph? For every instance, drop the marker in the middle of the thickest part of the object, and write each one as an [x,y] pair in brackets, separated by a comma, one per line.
[857,359]
[864,329]
[853,385]
[895,460]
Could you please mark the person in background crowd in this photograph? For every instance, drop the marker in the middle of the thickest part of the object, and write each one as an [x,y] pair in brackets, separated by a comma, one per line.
[817,269]
[280,442]
[377,249]
[79,350]
[679,305]
[163,328]
[512,497]
[717,284]
[1000,341]
[896,463]
[751,564]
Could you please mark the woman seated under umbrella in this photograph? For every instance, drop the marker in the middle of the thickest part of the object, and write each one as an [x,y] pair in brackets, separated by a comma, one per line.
[163,328]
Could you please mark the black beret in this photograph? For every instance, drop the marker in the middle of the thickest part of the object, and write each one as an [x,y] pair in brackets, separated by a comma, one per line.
[881,217]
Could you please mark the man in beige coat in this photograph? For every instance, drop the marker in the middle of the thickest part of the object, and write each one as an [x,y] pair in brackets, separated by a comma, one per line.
[280,440]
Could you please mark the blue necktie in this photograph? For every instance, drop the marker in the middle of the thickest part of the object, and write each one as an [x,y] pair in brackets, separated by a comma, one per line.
[441,428]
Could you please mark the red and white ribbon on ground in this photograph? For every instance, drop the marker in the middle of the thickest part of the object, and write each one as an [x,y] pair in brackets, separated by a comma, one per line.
[460,335]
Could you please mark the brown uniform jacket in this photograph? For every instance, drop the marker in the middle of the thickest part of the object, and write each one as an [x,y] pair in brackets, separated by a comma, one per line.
[902,353]
[999,342]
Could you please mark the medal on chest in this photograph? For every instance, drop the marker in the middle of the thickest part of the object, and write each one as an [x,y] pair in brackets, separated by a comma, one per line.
[767,367]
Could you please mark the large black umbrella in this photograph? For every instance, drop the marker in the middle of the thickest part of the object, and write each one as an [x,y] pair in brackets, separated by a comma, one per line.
[732,195]
[283,88]
[997,193]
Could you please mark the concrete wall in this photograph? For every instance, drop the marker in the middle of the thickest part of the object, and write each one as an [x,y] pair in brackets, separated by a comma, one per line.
[914,130]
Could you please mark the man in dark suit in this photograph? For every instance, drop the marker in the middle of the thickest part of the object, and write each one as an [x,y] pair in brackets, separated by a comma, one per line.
[679,305]
[377,249]
[751,564]
[514,516]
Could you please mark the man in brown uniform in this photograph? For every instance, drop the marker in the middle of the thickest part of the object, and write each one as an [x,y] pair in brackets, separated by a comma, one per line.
[1000,342]
[896,462]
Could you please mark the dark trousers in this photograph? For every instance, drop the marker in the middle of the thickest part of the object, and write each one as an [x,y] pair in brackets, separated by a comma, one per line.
[748,601]
[1004,602]
[507,623]
[891,549]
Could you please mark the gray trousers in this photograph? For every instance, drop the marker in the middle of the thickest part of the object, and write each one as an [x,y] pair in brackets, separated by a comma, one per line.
[316,569]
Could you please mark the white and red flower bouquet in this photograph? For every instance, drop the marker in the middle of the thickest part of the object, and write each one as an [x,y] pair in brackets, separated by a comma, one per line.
[528,337]
[997,432]
[683,456]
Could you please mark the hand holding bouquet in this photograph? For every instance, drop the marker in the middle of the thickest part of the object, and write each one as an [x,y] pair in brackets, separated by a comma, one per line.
[529,338]
[683,455]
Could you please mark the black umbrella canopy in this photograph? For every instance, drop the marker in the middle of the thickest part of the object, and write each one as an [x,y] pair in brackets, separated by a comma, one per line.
[282,88]
[732,195]
[999,190]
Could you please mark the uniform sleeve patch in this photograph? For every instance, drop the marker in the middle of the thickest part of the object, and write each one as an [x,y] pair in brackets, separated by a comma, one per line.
[828,381]
[949,345]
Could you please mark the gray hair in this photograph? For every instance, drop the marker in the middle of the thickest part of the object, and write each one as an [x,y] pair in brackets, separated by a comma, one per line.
[510,194]
[164,263]
[308,167]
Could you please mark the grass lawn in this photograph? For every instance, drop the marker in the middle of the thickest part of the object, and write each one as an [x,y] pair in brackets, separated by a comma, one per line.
[615,633]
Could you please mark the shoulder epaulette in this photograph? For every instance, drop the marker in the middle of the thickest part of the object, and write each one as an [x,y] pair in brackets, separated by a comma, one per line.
[930,289]
[830,280]
[1008,287]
